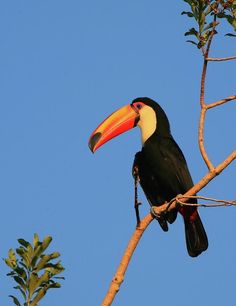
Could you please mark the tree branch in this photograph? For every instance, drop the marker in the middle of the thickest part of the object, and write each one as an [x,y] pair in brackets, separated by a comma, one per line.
[222,101]
[201,137]
[220,59]
[203,104]
[220,203]
[203,79]
[120,272]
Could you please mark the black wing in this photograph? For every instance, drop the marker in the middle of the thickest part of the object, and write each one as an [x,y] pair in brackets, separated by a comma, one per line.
[151,188]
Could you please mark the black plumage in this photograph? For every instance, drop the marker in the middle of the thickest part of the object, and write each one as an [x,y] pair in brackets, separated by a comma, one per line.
[163,174]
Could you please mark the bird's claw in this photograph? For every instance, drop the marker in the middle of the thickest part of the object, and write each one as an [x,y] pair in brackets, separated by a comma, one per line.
[155,214]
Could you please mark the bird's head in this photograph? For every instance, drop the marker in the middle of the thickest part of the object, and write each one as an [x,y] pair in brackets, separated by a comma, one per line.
[142,112]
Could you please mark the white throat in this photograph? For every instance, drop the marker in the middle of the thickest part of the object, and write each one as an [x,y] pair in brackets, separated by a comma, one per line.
[147,122]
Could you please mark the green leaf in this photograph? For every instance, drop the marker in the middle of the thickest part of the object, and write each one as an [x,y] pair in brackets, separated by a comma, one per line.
[55,268]
[12,273]
[59,277]
[21,290]
[22,264]
[23,242]
[21,272]
[20,281]
[47,240]
[11,255]
[42,246]
[210,25]
[55,255]
[41,264]
[44,260]
[10,263]
[192,3]
[44,278]
[35,240]
[11,260]
[189,14]
[26,248]
[55,285]
[35,258]
[192,31]
[200,44]
[22,252]
[15,300]
[230,35]
[192,42]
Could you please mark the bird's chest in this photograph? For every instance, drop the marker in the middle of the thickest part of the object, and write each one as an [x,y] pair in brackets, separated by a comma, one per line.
[153,179]
[157,163]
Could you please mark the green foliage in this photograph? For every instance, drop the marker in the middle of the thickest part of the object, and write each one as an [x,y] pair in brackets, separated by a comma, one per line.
[208,15]
[33,270]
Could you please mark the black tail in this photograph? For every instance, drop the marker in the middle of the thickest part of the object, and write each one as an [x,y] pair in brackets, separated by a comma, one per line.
[196,238]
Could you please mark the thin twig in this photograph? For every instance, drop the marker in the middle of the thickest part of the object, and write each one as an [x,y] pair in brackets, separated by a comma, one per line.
[207,205]
[207,199]
[220,102]
[220,202]
[203,104]
[220,59]
[201,138]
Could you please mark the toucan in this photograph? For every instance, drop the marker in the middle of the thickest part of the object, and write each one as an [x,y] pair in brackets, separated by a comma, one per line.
[160,165]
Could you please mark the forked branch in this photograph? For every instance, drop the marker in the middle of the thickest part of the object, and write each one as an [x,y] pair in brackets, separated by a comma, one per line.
[220,59]
[222,101]
[120,272]
[204,106]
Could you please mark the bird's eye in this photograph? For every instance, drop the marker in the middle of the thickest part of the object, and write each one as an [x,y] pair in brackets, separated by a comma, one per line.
[139,106]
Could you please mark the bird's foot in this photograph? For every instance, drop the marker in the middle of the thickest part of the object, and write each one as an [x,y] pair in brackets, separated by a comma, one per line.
[160,217]
[156,214]
[177,198]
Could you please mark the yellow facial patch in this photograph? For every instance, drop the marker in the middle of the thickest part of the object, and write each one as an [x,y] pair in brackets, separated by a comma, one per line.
[147,122]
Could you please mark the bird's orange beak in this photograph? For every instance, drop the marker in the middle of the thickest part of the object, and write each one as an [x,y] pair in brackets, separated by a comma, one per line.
[117,123]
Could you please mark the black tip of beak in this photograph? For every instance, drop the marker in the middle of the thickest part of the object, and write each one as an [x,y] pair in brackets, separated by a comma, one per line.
[94,140]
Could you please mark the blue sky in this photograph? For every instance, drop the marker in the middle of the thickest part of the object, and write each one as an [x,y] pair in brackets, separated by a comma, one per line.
[65,66]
